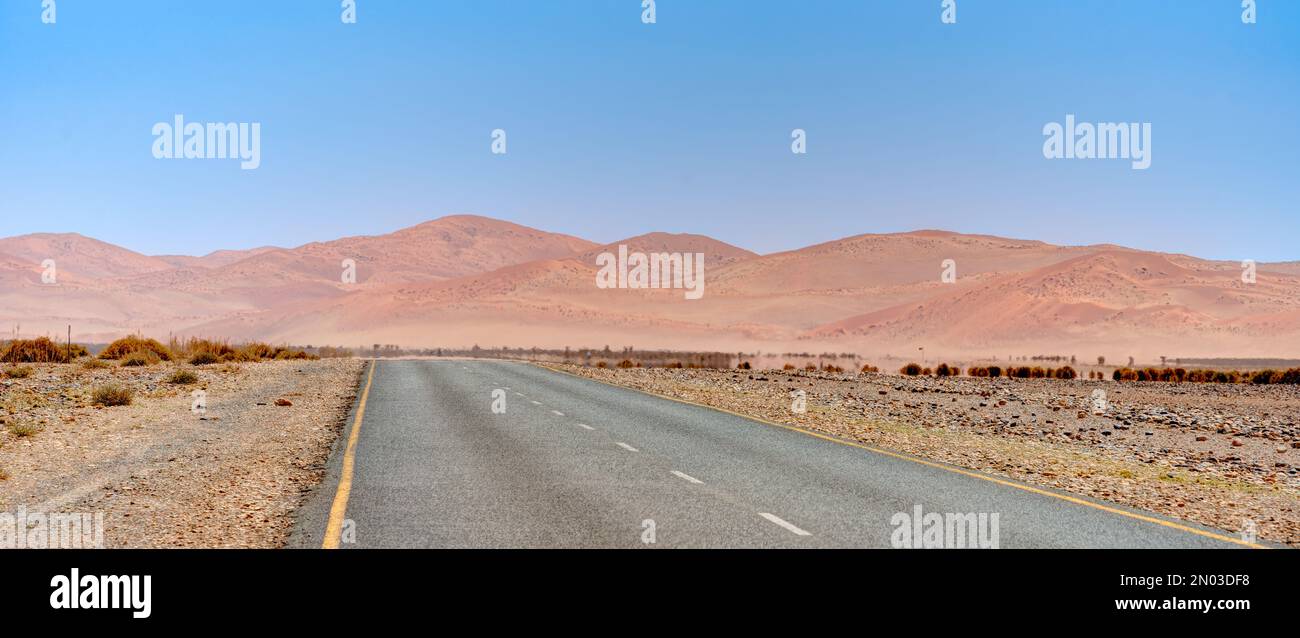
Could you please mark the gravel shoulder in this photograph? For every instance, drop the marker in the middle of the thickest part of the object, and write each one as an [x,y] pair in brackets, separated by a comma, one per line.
[163,475]
[1223,456]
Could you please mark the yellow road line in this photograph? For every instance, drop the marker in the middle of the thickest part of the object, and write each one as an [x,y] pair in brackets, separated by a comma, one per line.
[941,466]
[334,528]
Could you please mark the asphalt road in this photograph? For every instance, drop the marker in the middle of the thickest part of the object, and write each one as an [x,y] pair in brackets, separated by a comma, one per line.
[577,463]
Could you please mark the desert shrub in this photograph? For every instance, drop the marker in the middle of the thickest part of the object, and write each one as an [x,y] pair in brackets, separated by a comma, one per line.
[111,395]
[870,368]
[674,365]
[94,364]
[602,364]
[183,377]
[140,358]
[994,371]
[744,365]
[23,428]
[1066,372]
[38,350]
[941,370]
[195,346]
[130,345]
[254,352]
[911,369]
[788,366]
[1264,377]
[810,368]
[19,372]
[626,363]
[926,372]
[204,358]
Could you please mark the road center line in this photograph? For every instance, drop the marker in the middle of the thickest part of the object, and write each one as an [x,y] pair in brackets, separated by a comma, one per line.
[536,402]
[687,477]
[783,523]
[626,446]
[557,413]
[585,426]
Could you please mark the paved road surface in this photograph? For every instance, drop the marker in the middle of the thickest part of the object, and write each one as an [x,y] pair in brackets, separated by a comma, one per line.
[576,463]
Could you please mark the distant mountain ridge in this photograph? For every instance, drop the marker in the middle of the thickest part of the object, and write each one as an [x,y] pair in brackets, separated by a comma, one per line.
[465,279]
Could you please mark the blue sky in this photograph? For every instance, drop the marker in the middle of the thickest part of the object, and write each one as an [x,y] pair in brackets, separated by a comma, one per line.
[616,128]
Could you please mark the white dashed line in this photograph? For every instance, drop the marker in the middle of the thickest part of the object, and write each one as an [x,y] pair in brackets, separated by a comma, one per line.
[557,413]
[687,477]
[626,447]
[783,523]
[537,402]
[585,426]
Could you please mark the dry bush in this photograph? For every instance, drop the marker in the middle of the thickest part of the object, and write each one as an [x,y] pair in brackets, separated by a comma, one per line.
[19,372]
[23,428]
[112,395]
[94,364]
[130,345]
[195,346]
[140,358]
[183,377]
[204,358]
[869,368]
[911,369]
[39,350]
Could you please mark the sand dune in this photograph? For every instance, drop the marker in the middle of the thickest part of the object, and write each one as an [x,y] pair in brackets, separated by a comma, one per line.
[462,280]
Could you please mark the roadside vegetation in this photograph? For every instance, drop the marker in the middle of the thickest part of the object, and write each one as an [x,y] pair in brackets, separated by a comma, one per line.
[1180,375]
[112,395]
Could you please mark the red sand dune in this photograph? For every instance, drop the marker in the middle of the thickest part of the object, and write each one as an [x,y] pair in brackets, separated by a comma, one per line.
[461,280]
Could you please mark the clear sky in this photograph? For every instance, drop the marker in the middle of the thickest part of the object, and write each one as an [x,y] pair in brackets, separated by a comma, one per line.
[616,127]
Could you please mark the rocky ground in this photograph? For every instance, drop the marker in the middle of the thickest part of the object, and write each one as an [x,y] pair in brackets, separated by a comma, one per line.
[1214,454]
[163,475]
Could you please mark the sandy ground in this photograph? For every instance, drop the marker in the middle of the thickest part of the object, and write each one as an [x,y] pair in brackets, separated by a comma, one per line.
[162,475]
[1220,455]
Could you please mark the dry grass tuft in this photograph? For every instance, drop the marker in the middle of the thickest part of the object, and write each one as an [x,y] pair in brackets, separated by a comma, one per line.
[183,377]
[19,372]
[112,395]
[130,345]
[140,358]
[22,429]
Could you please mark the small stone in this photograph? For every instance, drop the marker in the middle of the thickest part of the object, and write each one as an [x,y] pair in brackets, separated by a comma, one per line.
[284,403]
[1237,443]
